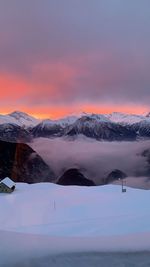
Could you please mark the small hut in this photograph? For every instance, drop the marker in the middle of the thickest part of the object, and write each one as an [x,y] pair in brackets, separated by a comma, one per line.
[7,185]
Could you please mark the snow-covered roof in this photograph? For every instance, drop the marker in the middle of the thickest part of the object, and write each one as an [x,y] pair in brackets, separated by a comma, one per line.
[7,181]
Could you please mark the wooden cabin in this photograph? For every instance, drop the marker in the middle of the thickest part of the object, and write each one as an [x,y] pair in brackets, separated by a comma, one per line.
[7,185]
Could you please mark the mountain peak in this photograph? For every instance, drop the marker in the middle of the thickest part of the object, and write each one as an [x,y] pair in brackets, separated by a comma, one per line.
[23,118]
[19,114]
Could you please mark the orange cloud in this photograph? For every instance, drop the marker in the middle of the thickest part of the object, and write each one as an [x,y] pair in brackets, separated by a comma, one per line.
[53,90]
[55,112]
[12,87]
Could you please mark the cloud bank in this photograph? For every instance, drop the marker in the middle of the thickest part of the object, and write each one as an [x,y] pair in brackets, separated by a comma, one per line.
[95,159]
[74,53]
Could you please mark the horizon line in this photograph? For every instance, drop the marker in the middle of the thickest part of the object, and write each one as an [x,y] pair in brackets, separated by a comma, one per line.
[45,116]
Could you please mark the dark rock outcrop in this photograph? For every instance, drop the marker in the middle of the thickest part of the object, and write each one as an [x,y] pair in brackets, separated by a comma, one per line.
[100,130]
[142,129]
[22,164]
[74,177]
[115,175]
[47,129]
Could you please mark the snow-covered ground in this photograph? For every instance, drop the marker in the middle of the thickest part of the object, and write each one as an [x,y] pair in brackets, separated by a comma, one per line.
[45,219]
[24,250]
[55,210]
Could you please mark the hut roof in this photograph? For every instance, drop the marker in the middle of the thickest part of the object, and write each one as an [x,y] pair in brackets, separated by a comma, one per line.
[7,181]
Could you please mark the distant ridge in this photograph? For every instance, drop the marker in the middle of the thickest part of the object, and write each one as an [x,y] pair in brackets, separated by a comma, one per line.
[119,117]
[111,127]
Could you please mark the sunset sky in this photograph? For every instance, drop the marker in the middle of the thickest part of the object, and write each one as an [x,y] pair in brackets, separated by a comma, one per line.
[60,57]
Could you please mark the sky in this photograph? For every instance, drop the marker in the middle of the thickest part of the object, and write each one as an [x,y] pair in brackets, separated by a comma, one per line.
[61,57]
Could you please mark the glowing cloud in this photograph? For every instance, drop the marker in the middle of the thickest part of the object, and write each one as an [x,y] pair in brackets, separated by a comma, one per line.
[70,56]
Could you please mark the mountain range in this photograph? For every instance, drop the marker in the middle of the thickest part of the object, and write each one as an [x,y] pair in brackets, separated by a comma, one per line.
[19,126]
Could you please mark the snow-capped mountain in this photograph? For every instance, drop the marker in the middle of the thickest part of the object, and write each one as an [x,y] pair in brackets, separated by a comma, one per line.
[66,121]
[7,119]
[47,128]
[19,118]
[15,127]
[23,118]
[116,126]
[100,128]
[124,118]
[117,117]
[142,128]
[14,133]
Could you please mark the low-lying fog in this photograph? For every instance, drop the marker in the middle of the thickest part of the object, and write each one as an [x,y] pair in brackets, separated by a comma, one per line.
[95,159]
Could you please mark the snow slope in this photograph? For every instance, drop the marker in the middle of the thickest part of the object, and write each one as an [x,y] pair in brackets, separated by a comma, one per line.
[42,220]
[22,118]
[53,210]
[117,117]
[124,118]
[19,118]
[63,122]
